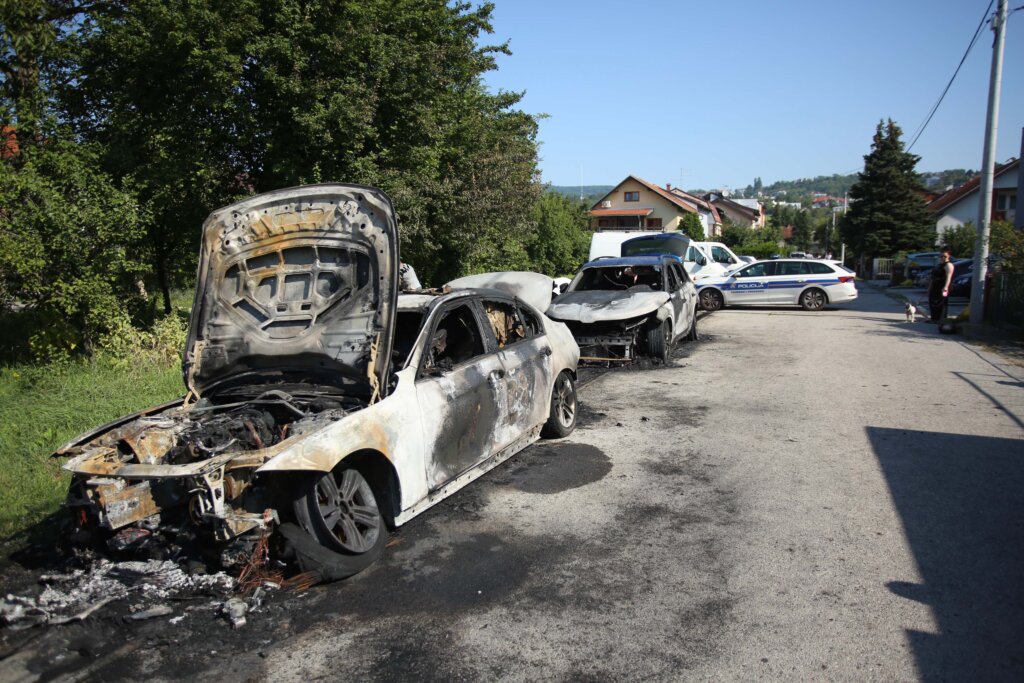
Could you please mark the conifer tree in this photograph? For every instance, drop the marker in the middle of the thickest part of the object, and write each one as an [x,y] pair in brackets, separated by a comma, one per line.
[887,211]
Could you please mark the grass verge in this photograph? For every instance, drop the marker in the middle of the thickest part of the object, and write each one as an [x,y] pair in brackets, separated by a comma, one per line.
[42,407]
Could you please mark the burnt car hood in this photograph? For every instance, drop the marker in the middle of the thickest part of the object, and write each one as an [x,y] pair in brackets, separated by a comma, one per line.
[533,288]
[605,305]
[301,281]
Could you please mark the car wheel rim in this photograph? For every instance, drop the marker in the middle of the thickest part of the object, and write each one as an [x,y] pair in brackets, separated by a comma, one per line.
[565,402]
[709,301]
[815,300]
[349,510]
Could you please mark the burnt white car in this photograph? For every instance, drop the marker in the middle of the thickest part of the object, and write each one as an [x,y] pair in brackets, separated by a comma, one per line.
[324,407]
[619,307]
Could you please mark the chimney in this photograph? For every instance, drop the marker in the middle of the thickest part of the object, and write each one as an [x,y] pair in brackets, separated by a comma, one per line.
[668,186]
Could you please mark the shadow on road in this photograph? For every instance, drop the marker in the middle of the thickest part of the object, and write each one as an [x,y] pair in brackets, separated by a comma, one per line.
[960,499]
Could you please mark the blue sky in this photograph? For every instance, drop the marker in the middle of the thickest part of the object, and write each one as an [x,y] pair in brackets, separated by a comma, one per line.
[705,94]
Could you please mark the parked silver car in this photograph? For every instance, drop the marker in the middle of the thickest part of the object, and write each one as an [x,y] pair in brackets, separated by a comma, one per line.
[322,406]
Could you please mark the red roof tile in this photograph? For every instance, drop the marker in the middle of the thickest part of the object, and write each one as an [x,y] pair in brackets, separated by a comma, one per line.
[957,193]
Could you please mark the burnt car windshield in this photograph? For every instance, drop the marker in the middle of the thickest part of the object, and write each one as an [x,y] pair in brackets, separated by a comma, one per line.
[626,277]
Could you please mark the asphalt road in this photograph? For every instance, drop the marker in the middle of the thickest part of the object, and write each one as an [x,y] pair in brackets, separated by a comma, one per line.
[823,496]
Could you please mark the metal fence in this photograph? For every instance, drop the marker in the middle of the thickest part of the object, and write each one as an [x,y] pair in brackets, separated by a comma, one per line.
[881,268]
[1006,300]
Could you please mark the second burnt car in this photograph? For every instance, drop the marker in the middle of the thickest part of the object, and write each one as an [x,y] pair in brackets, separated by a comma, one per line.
[620,307]
[323,407]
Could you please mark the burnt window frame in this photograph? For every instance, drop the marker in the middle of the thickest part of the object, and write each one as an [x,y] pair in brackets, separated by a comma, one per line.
[685,277]
[489,334]
[670,278]
[631,193]
[534,326]
[435,319]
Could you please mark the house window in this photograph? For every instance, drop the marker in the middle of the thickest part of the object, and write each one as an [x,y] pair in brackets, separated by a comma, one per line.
[653,222]
[632,196]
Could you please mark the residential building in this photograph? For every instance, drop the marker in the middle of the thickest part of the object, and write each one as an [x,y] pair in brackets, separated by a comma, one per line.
[960,205]
[744,212]
[635,204]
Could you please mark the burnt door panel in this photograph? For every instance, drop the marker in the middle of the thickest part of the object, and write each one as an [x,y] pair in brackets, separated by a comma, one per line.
[460,389]
[525,355]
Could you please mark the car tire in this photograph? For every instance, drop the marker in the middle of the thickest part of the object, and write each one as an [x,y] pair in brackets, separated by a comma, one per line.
[711,300]
[564,408]
[338,514]
[813,299]
[659,340]
[692,334]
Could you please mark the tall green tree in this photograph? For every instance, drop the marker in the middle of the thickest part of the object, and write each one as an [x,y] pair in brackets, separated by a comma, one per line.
[887,212]
[205,101]
[692,226]
[802,230]
[558,245]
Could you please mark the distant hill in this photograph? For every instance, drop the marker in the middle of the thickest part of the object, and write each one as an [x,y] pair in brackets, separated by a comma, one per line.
[594,192]
[834,185]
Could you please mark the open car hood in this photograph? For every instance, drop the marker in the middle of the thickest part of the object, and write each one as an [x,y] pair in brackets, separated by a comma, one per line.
[605,305]
[301,281]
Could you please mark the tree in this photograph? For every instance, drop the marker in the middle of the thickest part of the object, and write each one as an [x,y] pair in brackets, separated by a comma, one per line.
[692,226]
[206,101]
[802,231]
[67,244]
[887,211]
[960,239]
[558,245]
[1007,242]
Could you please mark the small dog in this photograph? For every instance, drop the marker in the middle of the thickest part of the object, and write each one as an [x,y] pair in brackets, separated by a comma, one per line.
[911,311]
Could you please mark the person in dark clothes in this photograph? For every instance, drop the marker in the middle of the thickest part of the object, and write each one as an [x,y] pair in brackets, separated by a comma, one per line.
[938,289]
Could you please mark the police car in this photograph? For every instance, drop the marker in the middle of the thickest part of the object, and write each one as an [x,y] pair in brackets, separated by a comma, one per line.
[808,283]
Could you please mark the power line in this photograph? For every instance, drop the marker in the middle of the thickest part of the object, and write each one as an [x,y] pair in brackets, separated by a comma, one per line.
[977,32]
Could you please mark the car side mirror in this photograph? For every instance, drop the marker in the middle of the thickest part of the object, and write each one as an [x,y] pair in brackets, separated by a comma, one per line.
[701,261]
[563,288]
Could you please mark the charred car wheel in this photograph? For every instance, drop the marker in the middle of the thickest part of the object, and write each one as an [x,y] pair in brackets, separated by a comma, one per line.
[659,340]
[711,300]
[562,419]
[812,300]
[692,334]
[339,510]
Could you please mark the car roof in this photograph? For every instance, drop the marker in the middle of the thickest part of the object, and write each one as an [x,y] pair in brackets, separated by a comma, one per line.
[621,261]
[417,301]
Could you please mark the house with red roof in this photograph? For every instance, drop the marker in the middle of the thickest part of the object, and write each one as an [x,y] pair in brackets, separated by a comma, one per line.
[745,212]
[635,204]
[960,205]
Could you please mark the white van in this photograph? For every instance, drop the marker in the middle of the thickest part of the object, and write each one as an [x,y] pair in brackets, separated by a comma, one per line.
[722,254]
[696,261]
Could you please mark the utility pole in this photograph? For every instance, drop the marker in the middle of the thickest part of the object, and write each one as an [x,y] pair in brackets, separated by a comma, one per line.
[988,166]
